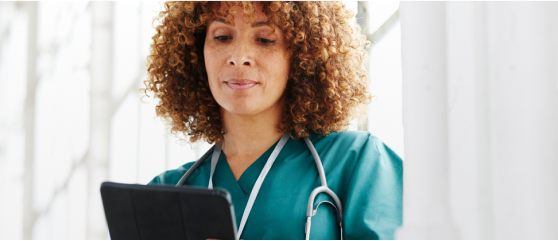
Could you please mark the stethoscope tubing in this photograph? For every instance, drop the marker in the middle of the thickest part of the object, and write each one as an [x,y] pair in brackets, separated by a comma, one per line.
[194,167]
[324,187]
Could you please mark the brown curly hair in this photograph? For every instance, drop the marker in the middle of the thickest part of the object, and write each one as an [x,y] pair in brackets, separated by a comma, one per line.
[327,84]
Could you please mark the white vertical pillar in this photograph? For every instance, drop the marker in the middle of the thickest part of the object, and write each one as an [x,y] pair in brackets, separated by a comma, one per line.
[492,141]
[468,119]
[523,50]
[101,113]
[362,15]
[362,19]
[29,214]
[426,191]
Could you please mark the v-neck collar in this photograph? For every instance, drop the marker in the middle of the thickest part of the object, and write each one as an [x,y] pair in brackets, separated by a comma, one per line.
[223,176]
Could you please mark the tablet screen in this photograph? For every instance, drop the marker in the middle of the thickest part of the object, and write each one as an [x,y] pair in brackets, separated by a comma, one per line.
[136,211]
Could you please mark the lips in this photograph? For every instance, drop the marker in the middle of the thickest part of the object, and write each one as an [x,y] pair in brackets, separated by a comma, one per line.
[240,84]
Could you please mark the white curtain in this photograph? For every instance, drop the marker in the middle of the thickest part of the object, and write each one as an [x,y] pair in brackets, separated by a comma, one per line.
[480,113]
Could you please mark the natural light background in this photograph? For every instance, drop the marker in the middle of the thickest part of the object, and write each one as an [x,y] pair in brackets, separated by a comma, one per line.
[140,147]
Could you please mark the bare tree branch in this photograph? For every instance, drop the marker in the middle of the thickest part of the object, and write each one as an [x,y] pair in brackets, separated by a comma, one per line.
[379,34]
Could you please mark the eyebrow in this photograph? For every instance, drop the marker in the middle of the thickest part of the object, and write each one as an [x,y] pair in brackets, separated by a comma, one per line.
[221,20]
[258,24]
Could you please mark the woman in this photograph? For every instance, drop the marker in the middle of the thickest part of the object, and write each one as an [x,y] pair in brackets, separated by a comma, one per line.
[241,75]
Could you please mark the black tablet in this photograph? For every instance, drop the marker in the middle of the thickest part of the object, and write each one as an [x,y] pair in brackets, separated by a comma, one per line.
[164,212]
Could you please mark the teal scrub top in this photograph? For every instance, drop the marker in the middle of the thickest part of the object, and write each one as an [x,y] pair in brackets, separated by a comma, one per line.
[365,174]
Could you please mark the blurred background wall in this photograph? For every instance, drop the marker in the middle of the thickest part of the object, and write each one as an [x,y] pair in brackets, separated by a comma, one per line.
[71,115]
[480,112]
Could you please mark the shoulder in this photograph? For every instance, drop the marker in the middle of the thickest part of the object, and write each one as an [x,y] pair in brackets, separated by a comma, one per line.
[355,137]
[357,150]
[352,141]
[171,177]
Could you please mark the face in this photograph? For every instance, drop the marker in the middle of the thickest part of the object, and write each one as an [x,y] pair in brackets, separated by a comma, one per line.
[247,64]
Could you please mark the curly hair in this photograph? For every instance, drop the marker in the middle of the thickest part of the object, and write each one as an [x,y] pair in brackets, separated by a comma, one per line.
[327,84]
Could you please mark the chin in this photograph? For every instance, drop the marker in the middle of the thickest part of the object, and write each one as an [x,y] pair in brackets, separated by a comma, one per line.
[242,108]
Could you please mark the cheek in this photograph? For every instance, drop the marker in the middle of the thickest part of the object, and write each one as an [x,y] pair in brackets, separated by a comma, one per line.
[279,68]
[211,60]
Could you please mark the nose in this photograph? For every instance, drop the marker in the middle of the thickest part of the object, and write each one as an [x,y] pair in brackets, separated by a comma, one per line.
[242,54]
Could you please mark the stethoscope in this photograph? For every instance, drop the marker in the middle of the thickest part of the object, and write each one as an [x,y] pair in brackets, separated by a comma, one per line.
[310,210]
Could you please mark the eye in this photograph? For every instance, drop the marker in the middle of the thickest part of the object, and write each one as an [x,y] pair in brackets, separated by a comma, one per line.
[266,41]
[223,38]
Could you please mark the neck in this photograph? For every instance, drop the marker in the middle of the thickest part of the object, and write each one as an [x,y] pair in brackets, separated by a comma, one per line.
[248,137]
